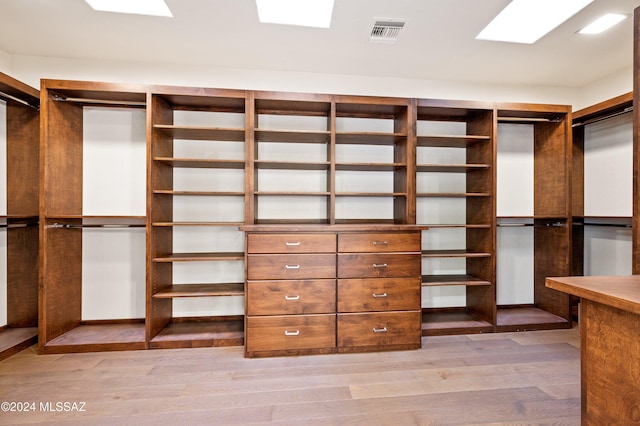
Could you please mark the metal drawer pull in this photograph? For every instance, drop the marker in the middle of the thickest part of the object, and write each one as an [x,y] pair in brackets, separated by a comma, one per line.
[291,333]
[292,266]
[380,265]
[296,297]
[379,295]
[380,330]
[380,243]
[288,244]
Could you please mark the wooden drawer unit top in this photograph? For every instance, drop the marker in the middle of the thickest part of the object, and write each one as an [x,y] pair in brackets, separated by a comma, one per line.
[378,294]
[290,266]
[286,333]
[379,242]
[402,330]
[291,243]
[291,297]
[381,265]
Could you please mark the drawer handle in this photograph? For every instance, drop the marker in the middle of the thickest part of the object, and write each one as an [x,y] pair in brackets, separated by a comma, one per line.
[292,266]
[291,333]
[296,297]
[380,330]
[380,243]
[380,265]
[379,295]
[292,244]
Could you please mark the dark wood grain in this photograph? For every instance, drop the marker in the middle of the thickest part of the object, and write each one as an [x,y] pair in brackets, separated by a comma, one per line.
[290,266]
[378,294]
[291,297]
[378,265]
[378,242]
[291,243]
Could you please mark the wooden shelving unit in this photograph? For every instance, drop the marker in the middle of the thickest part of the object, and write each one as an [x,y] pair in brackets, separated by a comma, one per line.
[388,174]
[602,111]
[20,223]
[290,158]
[196,138]
[220,159]
[455,198]
[63,220]
[551,220]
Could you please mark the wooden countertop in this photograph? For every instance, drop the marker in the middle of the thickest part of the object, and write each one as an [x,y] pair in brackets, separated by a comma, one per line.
[622,292]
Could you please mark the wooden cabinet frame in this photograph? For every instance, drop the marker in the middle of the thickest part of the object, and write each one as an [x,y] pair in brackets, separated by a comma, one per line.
[20,224]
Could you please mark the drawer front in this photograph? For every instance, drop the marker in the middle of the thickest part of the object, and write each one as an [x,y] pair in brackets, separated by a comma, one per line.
[379,294]
[378,265]
[290,332]
[291,297]
[290,266]
[379,242]
[291,243]
[379,329]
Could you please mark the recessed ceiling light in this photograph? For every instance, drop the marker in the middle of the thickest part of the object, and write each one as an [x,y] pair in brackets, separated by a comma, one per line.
[526,21]
[138,7]
[308,13]
[603,23]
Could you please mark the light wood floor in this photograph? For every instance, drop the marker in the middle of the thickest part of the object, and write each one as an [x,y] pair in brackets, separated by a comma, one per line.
[505,378]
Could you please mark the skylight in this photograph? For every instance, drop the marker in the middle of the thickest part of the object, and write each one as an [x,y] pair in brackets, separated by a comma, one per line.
[308,13]
[526,21]
[137,7]
[603,23]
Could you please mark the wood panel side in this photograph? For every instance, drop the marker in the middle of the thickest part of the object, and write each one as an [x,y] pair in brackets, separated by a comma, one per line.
[551,169]
[22,277]
[610,365]
[61,166]
[23,142]
[60,282]
[552,256]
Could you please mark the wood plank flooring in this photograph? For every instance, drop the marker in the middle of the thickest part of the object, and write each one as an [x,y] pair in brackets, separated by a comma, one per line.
[484,379]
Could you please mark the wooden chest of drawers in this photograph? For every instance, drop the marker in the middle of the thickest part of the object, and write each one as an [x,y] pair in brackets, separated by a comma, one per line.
[311,292]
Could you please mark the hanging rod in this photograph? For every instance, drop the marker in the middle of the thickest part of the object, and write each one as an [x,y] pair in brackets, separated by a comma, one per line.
[110,226]
[508,225]
[22,101]
[614,225]
[59,98]
[604,117]
[17,225]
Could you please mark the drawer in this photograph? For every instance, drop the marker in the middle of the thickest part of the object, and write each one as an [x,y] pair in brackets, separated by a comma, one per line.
[380,329]
[290,332]
[379,242]
[379,294]
[291,297]
[291,243]
[379,265]
[290,266]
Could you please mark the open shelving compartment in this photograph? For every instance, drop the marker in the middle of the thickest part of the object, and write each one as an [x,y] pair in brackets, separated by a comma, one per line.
[196,204]
[376,184]
[543,133]
[19,143]
[602,206]
[92,217]
[455,199]
[290,166]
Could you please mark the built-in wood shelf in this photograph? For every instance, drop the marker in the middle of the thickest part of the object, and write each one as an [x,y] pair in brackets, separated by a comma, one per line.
[444,280]
[201,290]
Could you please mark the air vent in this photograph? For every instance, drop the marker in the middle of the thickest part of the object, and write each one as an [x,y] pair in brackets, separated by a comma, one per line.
[386,31]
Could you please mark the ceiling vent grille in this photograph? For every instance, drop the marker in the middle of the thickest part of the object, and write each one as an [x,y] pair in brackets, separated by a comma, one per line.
[386,31]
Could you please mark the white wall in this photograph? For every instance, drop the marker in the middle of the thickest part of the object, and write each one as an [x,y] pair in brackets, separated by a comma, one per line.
[5,62]
[610,86]
[31,69]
